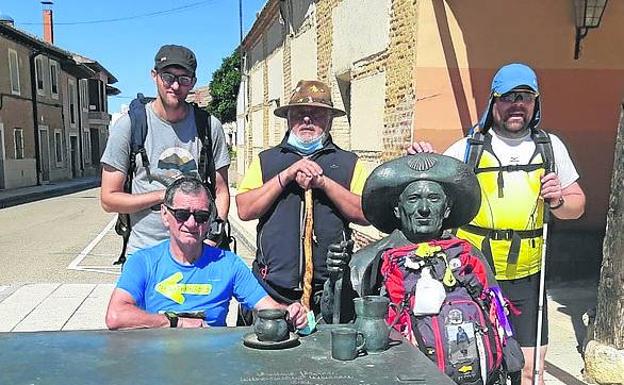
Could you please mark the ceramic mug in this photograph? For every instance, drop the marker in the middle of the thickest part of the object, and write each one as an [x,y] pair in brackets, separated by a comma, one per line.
[271,325]
[346,343]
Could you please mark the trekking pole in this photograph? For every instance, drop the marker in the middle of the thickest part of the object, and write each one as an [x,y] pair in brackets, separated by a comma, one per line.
[540,301]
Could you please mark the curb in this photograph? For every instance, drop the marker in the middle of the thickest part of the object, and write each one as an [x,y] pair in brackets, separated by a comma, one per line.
[19,199]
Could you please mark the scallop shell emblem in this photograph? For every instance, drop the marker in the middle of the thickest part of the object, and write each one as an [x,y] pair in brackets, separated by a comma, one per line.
[421,163]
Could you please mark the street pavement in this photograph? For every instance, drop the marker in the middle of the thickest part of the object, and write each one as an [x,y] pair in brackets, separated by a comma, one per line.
[27,307]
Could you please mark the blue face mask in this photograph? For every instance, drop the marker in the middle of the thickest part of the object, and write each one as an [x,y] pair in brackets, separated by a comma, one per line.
[306,147]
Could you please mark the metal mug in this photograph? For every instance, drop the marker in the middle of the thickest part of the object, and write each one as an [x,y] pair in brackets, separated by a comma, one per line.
[346,343]
[271,325]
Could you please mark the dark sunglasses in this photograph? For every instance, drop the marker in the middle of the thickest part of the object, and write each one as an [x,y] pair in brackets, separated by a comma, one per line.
[518,96]
[183,215]
[169,79]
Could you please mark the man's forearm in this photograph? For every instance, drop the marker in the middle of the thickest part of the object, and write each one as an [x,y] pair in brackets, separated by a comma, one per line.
[573,203]
[254,203]
[122,202]
[222,192]
[131,317]
[348,203]
[572,208]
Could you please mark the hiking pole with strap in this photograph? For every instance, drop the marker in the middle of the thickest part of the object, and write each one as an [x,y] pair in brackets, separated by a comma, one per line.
[307,251]
[540,301]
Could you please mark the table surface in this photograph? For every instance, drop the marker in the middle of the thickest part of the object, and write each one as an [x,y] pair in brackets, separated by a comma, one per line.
[198,356]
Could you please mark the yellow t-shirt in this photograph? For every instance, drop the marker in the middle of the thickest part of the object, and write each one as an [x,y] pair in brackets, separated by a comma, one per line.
[253,177]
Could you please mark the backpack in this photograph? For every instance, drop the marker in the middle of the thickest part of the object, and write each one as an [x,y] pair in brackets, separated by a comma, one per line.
[138,133]
[465,337]
[476,140]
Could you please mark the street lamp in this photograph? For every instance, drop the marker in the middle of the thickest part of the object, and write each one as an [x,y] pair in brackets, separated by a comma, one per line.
[588,15]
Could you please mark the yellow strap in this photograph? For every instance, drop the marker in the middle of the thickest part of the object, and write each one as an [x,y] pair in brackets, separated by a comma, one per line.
[307,251]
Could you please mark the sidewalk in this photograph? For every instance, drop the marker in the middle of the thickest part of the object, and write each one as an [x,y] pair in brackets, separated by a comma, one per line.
[17,196]
[567,302]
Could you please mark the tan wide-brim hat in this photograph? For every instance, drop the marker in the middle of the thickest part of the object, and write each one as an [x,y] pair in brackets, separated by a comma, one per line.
[386,183]
[310,93]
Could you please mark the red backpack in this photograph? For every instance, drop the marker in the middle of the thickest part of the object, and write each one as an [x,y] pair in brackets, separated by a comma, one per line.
[465,338]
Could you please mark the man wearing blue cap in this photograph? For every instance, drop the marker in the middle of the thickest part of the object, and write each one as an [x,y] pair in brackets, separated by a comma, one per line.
[520,168]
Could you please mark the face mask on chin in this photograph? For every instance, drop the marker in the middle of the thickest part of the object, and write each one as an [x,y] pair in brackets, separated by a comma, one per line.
[306,147]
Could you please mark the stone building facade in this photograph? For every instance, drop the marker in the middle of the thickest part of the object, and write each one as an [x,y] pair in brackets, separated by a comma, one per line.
[53,111]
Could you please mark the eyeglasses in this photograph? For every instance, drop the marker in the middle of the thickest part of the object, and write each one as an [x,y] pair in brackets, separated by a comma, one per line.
[182,215]
[518,96]
[169,79]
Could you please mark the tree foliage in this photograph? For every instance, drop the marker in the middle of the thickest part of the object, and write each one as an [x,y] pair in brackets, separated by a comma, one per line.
[224,88]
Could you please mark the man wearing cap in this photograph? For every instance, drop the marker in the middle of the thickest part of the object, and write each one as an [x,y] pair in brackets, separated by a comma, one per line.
[172,146]
[274,187]
[520,169]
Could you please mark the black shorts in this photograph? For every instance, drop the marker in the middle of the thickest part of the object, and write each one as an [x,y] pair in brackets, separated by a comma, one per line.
[523,294]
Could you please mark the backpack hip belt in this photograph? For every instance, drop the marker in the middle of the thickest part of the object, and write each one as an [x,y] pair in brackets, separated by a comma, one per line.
[515,236]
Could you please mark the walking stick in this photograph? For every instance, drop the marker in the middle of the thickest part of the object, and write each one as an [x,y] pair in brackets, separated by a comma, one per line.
[540,301]
[307,250]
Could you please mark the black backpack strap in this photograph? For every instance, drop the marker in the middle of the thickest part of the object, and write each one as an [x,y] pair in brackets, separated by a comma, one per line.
[203,122]
[543,145]
[138,133]
[474,148]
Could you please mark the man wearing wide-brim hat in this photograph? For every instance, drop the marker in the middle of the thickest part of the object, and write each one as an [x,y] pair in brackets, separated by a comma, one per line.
[274,189]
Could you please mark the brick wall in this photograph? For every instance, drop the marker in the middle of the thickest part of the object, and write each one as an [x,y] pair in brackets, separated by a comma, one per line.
[399,88]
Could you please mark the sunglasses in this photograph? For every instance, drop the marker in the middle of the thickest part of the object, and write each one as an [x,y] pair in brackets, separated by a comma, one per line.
[182,215]
[518,96]
[169,79]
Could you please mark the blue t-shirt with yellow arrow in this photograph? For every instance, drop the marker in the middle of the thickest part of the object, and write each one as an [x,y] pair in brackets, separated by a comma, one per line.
[159,283]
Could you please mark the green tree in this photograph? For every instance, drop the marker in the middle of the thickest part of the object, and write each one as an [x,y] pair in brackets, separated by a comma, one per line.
[224,88]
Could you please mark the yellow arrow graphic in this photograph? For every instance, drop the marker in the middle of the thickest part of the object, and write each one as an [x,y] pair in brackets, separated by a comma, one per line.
[170,288]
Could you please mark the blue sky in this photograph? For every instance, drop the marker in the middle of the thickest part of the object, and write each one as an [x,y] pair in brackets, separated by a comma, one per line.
[127,47]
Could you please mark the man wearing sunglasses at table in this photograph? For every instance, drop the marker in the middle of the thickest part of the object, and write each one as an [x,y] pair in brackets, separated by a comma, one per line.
[172,147]
[517,179]
[182,282]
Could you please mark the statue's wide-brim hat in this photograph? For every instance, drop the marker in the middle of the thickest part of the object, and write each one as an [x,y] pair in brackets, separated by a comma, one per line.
[387,182]
[310,93]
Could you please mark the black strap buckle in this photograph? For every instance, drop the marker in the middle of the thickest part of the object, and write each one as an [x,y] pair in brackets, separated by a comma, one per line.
[502,235]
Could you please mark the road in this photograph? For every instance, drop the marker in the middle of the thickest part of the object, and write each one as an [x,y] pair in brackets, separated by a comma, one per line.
[41,239]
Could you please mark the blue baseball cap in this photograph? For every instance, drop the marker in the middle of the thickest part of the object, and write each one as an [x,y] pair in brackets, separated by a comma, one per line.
[513,76]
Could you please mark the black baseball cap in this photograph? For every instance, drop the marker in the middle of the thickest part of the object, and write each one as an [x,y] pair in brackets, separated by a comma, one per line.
[177,55]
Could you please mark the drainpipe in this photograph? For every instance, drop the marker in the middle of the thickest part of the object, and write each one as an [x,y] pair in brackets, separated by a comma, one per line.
[79,106]
[33,98]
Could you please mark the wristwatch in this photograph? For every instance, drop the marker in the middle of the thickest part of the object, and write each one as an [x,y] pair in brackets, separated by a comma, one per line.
[173,319]
[560,203]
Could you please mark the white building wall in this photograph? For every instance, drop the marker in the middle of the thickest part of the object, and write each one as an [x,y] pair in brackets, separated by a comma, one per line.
[367,112]
[304,56]
[360,29]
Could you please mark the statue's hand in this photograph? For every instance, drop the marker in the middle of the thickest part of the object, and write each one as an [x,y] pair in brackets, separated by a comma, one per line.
[339,255]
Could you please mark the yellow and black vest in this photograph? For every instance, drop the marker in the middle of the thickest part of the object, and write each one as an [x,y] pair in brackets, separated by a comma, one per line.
[508,226]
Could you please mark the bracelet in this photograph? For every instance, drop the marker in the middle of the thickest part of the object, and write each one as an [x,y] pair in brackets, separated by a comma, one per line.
[279,180]
[559,204]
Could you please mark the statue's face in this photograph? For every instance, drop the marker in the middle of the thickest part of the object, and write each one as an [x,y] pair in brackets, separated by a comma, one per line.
[421,209]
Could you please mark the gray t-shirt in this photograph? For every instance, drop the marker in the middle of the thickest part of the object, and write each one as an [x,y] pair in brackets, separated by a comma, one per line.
[173,149]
